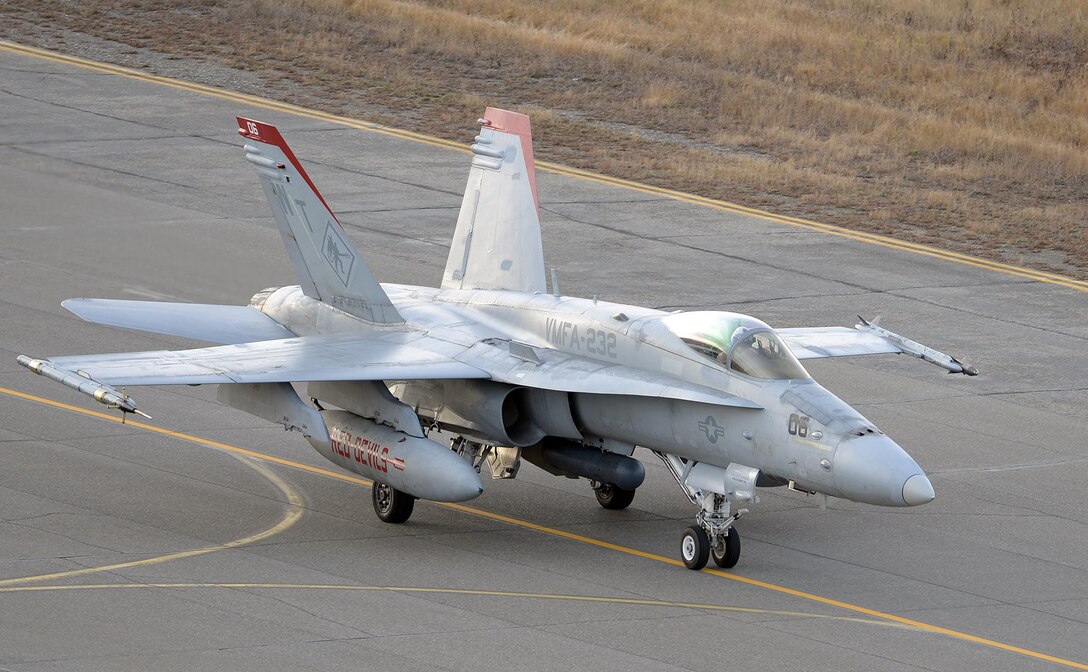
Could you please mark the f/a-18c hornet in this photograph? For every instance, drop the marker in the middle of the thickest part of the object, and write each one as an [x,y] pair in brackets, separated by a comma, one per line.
[510,370]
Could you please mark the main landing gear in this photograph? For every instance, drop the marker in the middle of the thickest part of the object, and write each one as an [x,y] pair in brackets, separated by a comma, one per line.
[392,505]
[715,491]
[611,496]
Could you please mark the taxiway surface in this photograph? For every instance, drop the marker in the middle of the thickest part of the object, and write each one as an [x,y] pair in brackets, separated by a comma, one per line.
[127,547]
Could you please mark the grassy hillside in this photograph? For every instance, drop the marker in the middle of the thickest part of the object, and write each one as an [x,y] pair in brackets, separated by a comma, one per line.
[962,124]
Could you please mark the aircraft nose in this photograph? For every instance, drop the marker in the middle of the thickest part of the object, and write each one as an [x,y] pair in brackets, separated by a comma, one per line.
[918,490]
[873,469]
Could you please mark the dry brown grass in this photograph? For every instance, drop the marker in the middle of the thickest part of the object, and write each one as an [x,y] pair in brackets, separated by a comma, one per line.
[958,123]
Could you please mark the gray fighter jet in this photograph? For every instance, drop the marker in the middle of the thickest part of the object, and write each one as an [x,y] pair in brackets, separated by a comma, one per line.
[510,370]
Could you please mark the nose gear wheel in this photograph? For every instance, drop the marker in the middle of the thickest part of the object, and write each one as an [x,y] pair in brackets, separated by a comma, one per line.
[695,547]
[726,549]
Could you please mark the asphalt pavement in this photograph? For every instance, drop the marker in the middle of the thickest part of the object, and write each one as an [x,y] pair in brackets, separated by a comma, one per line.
[209,539]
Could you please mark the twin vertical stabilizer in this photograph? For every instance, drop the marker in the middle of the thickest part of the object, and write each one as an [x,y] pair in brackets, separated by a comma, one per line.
[328,266]
[497,244]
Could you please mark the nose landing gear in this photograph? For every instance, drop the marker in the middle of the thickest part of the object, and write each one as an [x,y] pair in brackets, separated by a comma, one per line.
[696,548]
[715,491]
[722,541]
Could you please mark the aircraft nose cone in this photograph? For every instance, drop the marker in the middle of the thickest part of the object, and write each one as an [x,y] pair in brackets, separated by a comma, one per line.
[873,469]
[918,490]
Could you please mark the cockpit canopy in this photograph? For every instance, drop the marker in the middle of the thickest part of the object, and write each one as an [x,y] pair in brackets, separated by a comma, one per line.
[738,342]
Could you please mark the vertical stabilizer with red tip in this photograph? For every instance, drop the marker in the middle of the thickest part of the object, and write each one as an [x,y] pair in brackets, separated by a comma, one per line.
[329,267]
[497,244]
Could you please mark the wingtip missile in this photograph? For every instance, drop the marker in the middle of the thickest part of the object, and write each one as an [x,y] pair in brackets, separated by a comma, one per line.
[916,349]
[81,382]
[965,369]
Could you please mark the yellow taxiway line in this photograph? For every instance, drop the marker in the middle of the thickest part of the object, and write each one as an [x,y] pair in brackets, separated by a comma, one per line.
[726,206]
[857,609]
[462,591]
[293,514]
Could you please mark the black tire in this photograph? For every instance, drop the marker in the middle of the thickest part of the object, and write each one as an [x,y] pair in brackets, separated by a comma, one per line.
[392,505]
[694,548]
[611,496]
[727,551]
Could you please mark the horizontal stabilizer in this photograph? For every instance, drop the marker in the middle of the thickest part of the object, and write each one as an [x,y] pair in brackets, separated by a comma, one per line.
[203,322]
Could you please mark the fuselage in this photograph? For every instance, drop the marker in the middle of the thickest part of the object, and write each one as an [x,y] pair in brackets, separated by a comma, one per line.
[798,432]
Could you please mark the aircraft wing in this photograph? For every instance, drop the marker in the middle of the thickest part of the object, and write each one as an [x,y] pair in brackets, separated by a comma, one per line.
[865,338]
[815,342]
[520,364]
[216,324]
[399,355]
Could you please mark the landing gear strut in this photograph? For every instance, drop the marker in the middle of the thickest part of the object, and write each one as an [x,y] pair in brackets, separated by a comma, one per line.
[716,524]
[504,461]
[713,535]
[392,505]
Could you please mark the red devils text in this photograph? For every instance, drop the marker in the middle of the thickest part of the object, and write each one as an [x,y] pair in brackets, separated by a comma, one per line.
[363,450]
